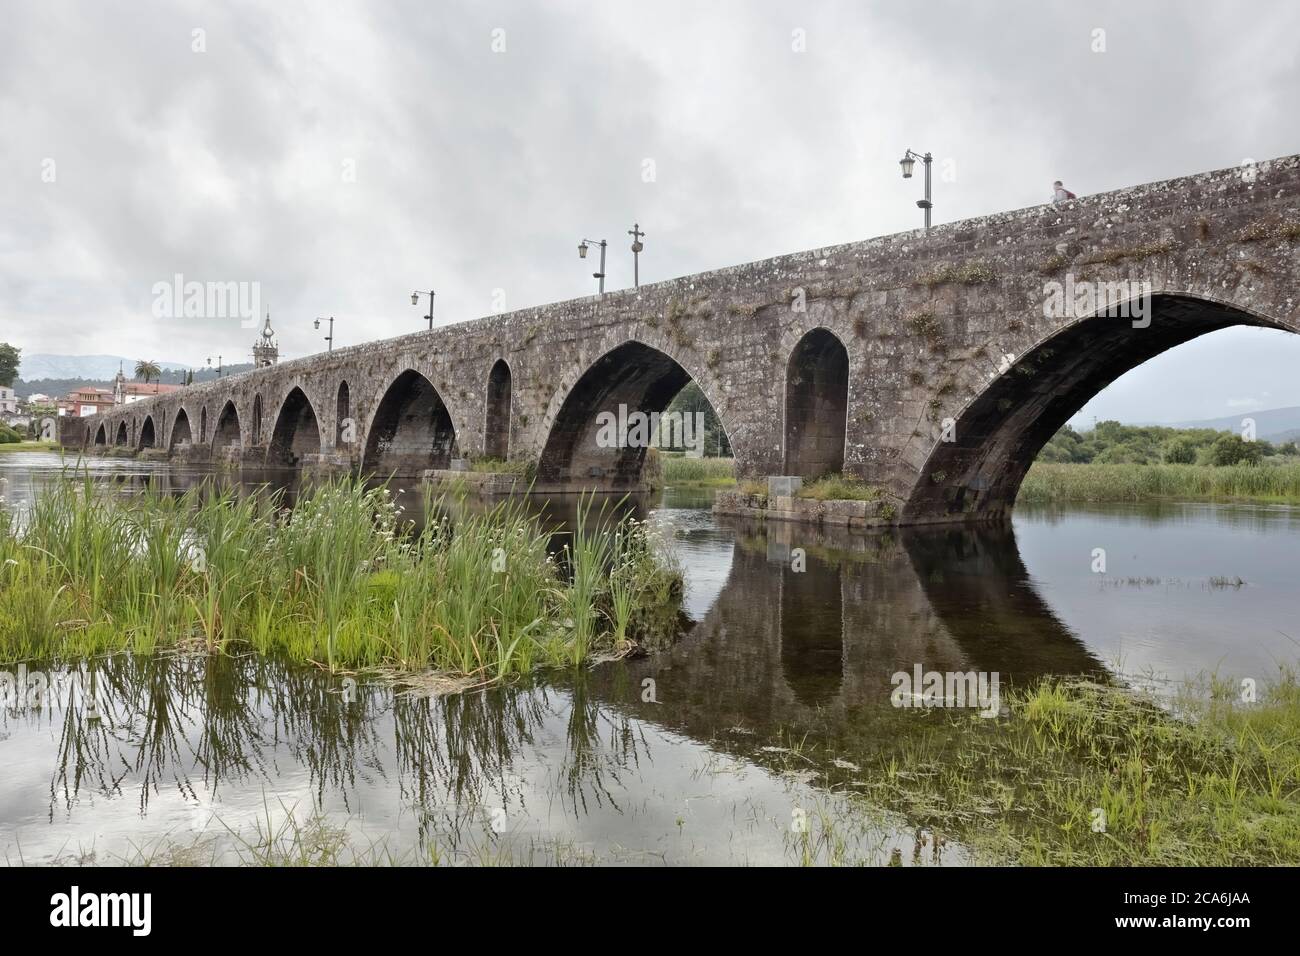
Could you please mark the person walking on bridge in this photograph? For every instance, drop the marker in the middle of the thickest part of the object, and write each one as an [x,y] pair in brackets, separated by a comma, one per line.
[1061,194]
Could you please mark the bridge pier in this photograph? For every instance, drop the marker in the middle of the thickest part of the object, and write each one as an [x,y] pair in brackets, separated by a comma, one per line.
[327,463]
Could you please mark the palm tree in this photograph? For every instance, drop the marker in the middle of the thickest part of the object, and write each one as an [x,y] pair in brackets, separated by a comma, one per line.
[147,369]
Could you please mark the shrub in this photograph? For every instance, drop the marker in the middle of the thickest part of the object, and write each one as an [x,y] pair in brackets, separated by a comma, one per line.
[1234,450]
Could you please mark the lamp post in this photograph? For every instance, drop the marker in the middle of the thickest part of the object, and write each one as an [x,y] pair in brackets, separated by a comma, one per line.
[415,300]
[907,162]
[329,339]
[582,254]
[636,234]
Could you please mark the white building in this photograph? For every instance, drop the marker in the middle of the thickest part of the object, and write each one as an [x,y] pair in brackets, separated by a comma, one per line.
[8,400]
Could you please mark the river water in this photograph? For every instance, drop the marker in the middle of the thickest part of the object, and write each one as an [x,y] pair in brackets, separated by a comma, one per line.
[771,711]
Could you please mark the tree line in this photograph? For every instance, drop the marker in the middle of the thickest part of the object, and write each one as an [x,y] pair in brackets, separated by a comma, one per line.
[1110,443]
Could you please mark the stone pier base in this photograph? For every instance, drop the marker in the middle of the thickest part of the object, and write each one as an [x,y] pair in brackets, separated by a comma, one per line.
[327,463]
[474,482]
[854,515]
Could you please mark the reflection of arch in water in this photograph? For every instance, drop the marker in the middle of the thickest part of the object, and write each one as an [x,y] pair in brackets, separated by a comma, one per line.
[978,586]
[812,631]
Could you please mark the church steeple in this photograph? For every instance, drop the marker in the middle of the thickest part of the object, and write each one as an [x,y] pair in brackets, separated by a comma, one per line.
[119,387]
[265,351]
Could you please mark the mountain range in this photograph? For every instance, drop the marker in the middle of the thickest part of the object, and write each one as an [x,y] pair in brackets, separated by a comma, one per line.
[1273,424]
[90,367]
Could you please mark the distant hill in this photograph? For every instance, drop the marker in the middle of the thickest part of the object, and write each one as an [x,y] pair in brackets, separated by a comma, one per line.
[83,367]
[58,387]
[1273,424]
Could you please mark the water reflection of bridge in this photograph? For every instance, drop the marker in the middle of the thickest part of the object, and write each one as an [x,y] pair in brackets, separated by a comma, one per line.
[781,655]
[787,648]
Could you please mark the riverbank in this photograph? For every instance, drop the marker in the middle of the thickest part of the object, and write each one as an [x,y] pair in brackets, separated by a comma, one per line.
[1049,483]
[15,447]
[1080,774]
[335,581]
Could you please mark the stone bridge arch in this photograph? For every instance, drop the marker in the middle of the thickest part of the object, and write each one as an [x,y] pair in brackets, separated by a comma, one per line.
[148,433]
[296,431]
[497,407]
[410,429]
[815,401]
[181,433]
[1015,408]
[642,374]
[226,433]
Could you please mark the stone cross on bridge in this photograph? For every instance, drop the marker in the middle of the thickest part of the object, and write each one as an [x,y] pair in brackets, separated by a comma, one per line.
[935,365]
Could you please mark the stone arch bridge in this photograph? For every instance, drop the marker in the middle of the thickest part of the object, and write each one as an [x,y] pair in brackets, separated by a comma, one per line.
[935,365]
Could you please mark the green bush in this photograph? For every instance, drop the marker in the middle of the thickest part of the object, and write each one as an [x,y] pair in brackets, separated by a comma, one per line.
[1180,451]
[1234,450]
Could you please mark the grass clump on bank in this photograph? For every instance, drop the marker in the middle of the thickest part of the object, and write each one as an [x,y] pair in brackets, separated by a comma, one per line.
[1082,774]
[1058,483]
[681,471]
[335,580]
[500,466]
[17,446]
[839,488]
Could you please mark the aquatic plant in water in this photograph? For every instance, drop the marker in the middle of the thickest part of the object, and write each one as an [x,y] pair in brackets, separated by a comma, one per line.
[338,579]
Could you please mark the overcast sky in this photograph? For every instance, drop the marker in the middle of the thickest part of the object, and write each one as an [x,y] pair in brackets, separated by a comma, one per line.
[340,155]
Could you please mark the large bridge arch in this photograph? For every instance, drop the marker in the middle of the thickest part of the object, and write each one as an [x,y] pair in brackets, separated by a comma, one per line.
[227,433]
[148,433]
[632,376]
[997,435]
[410,429]
[296,431]
[121,433]
[181,433]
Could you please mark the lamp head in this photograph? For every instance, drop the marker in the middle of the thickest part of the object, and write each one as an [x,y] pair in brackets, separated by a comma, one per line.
[907,162]
[582,249]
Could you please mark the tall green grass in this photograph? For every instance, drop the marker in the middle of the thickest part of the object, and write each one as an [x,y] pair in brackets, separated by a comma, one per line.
[336,580]
[704,472]
[1052,483]
[839,488]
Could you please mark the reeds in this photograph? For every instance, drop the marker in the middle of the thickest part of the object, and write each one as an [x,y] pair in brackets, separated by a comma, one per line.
[679,470]
[338,580]
[1051,483]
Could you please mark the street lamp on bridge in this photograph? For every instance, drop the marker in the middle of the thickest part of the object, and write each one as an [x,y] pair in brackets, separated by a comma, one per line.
[415,300]
[582,254]
[907,162]
[329,339]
